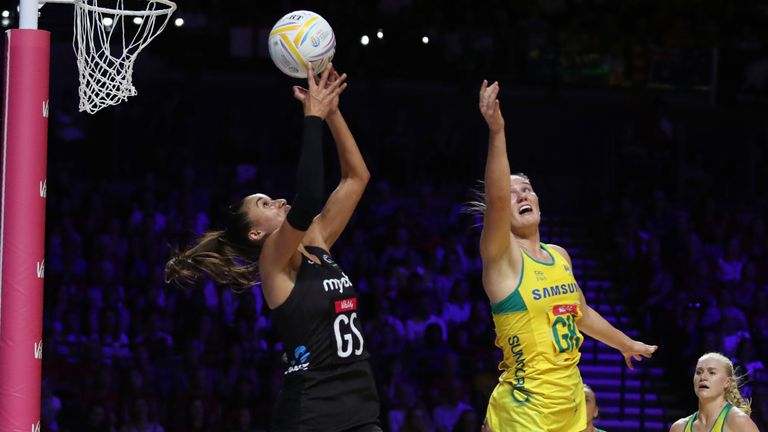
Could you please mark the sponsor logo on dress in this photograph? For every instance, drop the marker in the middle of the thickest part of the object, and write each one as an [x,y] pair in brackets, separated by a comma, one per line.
[555,290]
[566,309]
[337,284]
[519,392]
[300,360]
[345,305]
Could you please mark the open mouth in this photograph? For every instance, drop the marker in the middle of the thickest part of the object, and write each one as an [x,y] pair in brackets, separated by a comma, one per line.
[703,387]
[525,209]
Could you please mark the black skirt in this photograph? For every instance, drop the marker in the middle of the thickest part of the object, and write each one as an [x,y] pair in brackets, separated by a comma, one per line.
[333,399]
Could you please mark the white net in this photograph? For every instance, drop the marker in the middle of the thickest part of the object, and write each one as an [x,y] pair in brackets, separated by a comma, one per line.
[107,40]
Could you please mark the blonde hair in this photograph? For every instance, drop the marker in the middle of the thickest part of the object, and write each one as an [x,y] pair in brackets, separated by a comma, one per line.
[478,206]
[588,388]
[732,393]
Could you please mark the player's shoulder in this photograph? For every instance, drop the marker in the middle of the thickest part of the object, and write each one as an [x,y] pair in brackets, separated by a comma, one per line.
[738,420]
[679,426]
[560,250]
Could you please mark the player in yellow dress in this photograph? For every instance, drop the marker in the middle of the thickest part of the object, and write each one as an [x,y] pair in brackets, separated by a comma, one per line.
[538,308]
[593,411]
[721,407]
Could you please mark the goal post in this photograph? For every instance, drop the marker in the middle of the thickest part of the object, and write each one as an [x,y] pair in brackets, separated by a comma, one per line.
[26,75]
[106,48]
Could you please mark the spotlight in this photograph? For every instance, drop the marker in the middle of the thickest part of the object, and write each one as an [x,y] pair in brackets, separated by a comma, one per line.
[178,22]
[6,22]
[107,22]
[365,40]
[425,40]
[137,20]
[380,34]
[6,13]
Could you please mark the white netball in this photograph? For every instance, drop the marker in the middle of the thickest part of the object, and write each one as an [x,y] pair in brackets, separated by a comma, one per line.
[299,38]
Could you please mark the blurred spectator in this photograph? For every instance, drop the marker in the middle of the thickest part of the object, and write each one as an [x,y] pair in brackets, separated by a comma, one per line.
[456,310]
[452,403]
[50,405]
[751,366]
[734,324]
[417,419]
[468,421]
[732,264]
[98,419]
[400,397]
[140,419]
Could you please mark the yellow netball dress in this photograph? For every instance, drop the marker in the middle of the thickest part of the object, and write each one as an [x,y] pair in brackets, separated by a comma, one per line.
[540,388]
[718,426]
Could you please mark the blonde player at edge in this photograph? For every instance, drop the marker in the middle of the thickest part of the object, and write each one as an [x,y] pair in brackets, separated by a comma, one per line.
[721,407]
[538,308]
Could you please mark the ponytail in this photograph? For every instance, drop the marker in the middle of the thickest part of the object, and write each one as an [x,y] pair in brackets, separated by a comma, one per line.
[226,262]
[478,205]
[733,396]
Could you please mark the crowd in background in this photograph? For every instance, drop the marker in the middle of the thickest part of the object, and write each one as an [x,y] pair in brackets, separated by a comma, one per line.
[691,251]
[570,42]
[684,44]
[125,351]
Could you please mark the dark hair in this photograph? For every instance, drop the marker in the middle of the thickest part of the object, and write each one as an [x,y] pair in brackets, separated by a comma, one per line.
[477,206]
[228,256]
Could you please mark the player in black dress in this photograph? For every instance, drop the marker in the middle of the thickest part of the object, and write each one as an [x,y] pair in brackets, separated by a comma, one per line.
[328,381]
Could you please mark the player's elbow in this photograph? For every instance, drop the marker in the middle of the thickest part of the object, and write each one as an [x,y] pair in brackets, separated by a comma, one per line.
[364,176]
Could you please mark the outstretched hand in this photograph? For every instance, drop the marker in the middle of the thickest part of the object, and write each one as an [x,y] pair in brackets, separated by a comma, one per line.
[637,350]
[321,98]
[490,107]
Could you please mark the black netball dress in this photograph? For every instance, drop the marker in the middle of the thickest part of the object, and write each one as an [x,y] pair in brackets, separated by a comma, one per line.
[328,385]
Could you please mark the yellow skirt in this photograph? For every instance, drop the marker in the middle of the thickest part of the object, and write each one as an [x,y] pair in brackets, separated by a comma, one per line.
[511,411]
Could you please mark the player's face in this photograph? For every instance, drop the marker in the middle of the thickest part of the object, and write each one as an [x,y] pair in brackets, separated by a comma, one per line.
[266,214]
[710,380]
[591,405]
[525,203]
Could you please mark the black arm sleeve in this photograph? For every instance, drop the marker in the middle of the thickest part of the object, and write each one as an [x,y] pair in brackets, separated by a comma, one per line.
[309,176]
